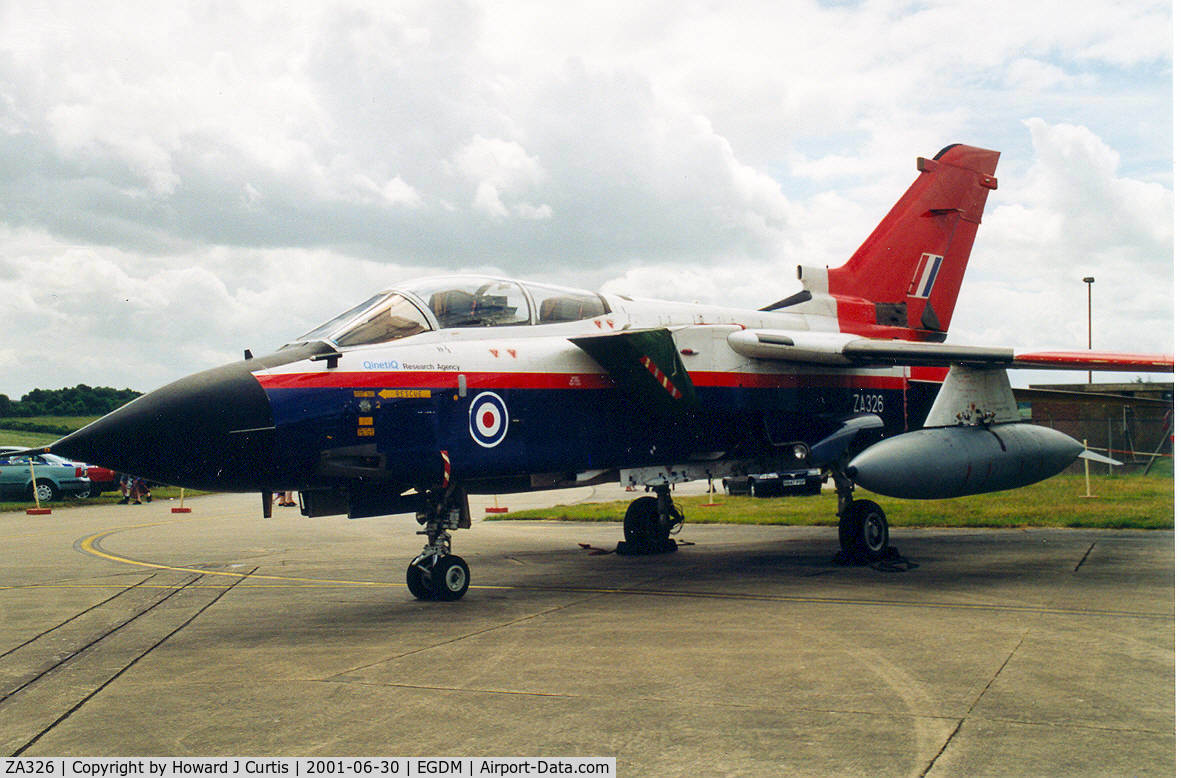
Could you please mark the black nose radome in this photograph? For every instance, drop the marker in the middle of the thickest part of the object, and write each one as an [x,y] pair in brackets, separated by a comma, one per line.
[212,430]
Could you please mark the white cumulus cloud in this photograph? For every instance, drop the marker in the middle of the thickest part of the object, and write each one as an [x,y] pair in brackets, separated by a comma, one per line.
[181,181]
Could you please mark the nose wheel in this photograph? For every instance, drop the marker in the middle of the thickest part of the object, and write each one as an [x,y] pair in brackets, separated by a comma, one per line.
[443,578]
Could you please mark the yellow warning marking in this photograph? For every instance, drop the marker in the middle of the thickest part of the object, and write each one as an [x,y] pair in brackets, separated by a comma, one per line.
[364,421]
[90,545]
[117,586]
[365,432]
[387,394]
[362,393]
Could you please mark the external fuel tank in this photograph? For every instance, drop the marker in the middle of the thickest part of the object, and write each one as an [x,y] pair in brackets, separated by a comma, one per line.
[942,462]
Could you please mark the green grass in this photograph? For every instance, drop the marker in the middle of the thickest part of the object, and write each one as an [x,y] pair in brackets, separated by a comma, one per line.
[19,437]
[25,439]
[70,422]
[9,437]
[1120,502]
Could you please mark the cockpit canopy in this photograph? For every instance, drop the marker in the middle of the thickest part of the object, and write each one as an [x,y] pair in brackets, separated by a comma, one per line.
[450,302]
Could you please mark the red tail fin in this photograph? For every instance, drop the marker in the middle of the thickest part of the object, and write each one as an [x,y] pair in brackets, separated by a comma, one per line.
[904,280]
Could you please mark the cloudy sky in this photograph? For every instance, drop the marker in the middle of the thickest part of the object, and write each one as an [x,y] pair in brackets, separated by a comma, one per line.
[179,181]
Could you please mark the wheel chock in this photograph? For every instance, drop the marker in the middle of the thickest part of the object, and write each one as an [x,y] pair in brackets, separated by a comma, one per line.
[624,548]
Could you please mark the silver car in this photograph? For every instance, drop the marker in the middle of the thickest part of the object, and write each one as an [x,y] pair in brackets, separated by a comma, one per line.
[56,478]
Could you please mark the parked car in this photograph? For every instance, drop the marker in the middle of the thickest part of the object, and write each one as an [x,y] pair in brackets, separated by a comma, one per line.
[102,479]
[806,481]
[56,478]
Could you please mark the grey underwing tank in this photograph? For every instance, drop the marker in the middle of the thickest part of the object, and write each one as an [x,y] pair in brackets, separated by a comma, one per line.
[943,462]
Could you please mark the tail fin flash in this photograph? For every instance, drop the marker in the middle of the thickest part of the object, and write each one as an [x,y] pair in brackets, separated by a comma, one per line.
[904,279]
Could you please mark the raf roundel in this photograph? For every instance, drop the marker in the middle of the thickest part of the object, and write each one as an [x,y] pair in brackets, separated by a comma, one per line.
[487,419]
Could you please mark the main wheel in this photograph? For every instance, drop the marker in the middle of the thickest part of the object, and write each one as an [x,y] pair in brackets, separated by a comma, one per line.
[864,531]
[641,524]
[419,583]
[450,578]
[44,491]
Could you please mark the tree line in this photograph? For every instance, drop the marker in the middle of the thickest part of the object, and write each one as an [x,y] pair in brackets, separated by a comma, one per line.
[80,400]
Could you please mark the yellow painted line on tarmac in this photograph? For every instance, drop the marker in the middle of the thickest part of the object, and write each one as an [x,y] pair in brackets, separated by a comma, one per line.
[90,545]
[53,528]
[113,586]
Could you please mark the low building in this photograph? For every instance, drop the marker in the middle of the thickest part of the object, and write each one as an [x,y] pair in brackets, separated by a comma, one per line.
[1132,420]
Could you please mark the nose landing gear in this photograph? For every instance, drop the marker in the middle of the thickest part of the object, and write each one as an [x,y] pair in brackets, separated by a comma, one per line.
[436,573]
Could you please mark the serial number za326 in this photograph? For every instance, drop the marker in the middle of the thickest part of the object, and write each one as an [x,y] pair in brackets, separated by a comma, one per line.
[29,767]
[868,403]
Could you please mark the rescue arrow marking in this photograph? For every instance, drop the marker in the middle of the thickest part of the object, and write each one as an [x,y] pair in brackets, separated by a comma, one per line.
[387,394]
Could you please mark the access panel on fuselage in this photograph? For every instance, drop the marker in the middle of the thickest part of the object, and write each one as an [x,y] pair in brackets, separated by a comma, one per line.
[403,422]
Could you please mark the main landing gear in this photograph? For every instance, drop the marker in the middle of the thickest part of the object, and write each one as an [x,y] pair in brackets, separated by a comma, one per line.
[648,523]
[436,573]
[863,530]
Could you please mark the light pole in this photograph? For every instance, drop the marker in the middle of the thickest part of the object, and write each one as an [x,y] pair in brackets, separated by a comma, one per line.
[1088,281]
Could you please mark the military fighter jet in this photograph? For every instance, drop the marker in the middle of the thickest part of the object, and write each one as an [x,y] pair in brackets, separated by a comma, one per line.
[444,387]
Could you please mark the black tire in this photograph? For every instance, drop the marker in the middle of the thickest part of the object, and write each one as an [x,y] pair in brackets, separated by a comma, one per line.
[96,490]
[864,532]
[641,524]
[450,578]
[47,491]
[419,583]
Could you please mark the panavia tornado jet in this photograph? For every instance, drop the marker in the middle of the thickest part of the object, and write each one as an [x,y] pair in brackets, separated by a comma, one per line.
[455,385]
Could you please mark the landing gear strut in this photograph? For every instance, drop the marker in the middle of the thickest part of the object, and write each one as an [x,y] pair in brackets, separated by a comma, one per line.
[648,523]
[864,532]
[436,573]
